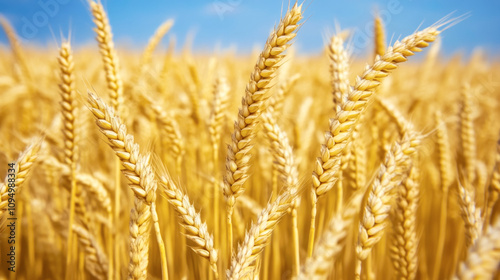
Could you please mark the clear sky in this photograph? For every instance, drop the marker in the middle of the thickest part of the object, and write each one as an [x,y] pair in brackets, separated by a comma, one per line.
[245,23]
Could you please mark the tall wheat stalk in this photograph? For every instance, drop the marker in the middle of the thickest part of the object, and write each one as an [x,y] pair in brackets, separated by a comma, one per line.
[253,104]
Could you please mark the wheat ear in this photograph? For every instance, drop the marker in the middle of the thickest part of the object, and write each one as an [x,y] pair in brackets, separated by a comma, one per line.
[170,128]
[389,175]
[155,40]
[196,230]
[444,155]
[23,167]
[67,91]
[284,163]
[471,215]
[115,90]
[339,70]
[467,134]
[379,32]
[253,104]
[96,261]
[331,242]
[405,242]
[341,127]
[217,120]
[259,234]
[141,177]
[483,259]
[109,57]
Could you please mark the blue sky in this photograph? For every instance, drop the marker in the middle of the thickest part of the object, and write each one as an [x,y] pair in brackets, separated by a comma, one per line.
[245,23]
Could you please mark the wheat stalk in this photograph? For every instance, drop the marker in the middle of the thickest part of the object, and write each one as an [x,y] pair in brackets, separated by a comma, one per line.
[109,57]
[341,127]
[444,158]
[196,230]
[140,175]
[389,175]
[259,235]
[67,91]
[96,262]
[331,242]
[284,163]
[253,104]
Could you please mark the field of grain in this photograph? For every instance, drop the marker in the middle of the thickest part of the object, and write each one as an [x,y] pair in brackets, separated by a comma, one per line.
[274,165]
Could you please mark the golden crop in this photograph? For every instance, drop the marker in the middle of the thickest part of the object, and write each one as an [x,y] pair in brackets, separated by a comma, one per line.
[183,166]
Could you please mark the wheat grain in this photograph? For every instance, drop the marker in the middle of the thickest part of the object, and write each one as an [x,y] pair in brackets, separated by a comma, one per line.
[471,215]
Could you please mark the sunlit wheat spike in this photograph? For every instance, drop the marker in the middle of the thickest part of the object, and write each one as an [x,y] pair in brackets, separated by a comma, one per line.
[339,70]
[331,243]
[337,138]
[254,102]
[258,235]
[141,181]
[67,91]
[467,134]
[196,230]
[342,125]
[108,53]
[23,166]
[376,209]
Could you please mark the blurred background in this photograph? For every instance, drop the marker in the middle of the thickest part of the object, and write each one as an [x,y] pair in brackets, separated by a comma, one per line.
[244,24]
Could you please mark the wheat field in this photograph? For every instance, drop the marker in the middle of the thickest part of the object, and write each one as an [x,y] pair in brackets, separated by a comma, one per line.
[157,164]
